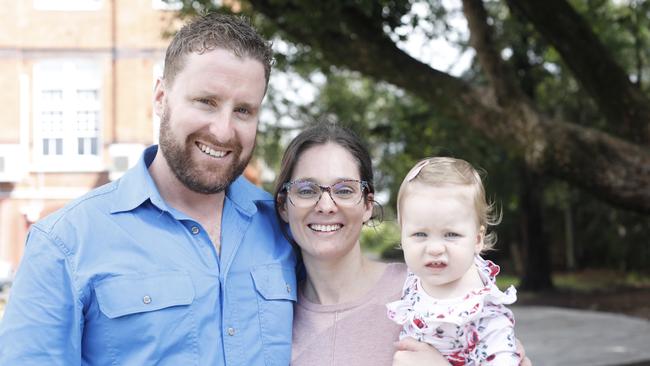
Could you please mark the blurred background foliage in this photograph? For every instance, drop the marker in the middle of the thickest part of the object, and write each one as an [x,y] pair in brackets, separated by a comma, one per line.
[578,229]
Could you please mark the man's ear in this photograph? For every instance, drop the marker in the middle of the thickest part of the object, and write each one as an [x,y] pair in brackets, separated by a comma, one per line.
[159,97]
[480,238]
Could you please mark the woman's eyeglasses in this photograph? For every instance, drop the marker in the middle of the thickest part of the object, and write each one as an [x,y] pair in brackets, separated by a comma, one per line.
[345,193]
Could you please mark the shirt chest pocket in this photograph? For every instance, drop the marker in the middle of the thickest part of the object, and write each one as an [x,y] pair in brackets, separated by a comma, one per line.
[153,311]
[132,294]
[276,294]
[275,282]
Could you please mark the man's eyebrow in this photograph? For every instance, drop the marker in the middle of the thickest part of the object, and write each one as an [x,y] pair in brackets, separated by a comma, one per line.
[207,94]
[250,106]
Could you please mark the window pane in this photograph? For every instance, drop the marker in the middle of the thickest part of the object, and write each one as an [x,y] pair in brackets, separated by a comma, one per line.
[87,95]
[87,121]
[52,95]
[46,146]
[95,121]
[93,146]
[59,146]
[52,121]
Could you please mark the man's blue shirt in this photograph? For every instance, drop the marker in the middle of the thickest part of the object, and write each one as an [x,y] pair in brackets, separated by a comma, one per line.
[118,277]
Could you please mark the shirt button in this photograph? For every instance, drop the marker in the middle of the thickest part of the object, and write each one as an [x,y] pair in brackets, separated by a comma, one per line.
[146,299]
[195,230]
[231,331]
[288,288]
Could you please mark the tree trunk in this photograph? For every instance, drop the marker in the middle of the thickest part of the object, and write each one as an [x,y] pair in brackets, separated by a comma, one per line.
[569,243]
[537,269]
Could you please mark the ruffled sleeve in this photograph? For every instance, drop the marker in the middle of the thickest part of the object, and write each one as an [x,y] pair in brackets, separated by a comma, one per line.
[398,311]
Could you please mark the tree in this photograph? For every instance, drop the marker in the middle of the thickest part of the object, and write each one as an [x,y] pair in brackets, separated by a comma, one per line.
[352,34]
[603,151]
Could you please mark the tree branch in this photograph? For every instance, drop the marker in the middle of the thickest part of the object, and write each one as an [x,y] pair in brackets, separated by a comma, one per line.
[613,169]
[500,76]
[622,103]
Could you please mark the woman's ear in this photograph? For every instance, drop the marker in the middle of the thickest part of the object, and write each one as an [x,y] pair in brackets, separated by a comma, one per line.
[480,240]
[369,202]
[282,209]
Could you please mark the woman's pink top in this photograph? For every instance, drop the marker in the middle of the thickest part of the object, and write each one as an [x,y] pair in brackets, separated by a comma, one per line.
[356,333]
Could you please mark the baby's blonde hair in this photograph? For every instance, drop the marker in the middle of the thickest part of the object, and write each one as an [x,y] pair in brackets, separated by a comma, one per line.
[441,171]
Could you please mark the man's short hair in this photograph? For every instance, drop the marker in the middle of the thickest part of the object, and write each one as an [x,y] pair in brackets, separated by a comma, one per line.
[214,30]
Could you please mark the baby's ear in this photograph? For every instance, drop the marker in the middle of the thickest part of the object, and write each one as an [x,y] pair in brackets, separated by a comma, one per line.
[480,240]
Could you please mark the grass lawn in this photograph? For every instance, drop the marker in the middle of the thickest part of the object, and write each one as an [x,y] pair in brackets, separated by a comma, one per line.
[587,280]
[599,290]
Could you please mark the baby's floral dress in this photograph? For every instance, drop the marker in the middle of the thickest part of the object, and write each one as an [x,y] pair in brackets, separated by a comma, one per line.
[474,329]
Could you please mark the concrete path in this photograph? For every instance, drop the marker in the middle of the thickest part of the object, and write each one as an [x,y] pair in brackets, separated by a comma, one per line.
[559,336]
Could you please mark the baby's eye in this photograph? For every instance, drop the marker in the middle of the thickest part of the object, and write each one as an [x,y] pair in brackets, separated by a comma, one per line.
[452,235]
[420,234]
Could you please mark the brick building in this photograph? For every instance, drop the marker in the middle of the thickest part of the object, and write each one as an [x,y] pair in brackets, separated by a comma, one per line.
[77,78]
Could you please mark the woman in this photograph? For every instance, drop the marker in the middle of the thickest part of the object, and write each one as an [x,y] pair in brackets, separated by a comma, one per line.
[325,193]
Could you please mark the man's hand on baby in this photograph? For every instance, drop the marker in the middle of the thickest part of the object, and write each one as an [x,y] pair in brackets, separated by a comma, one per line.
[525,361]
[413,353]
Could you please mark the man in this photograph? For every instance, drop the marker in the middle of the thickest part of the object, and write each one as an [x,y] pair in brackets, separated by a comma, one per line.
[181,261]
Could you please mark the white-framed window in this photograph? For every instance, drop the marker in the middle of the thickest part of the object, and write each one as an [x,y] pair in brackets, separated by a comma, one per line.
[68,5]
[67,115]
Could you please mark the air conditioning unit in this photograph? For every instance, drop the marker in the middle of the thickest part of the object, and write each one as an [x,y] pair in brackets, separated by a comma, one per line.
[12,163]
[123,157]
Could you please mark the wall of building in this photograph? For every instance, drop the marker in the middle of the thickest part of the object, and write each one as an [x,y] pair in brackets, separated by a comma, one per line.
[123,40]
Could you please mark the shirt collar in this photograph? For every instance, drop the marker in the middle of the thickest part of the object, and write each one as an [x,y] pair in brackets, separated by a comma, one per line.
[137,186]
[245,194]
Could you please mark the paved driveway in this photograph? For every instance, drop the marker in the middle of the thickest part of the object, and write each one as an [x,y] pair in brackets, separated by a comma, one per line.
[558,336]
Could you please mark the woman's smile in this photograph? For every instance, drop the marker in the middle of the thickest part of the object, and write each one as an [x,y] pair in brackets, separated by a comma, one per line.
[325,228]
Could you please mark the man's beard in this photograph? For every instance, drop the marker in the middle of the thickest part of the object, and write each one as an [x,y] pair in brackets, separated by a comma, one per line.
[195,178]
